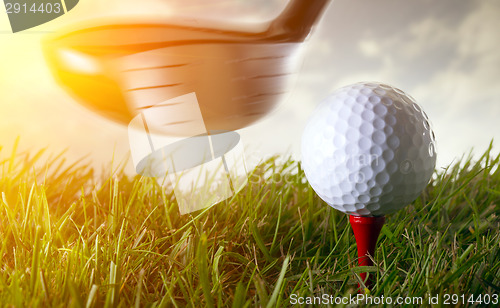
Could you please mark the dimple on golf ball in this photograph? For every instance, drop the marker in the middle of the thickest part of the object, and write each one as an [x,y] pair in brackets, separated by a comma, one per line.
[368,149]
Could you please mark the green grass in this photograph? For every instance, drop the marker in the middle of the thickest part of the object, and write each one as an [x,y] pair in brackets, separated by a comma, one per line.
[67,241]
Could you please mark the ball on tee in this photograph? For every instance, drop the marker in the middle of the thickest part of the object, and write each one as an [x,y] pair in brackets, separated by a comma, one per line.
[368,149]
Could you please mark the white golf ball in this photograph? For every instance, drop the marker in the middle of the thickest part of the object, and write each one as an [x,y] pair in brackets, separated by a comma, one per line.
[368,149]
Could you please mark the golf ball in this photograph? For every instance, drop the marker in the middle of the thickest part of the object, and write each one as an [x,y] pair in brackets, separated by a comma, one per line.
[368,149]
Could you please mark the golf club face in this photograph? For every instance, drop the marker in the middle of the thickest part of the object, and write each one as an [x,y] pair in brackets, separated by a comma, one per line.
[119,70]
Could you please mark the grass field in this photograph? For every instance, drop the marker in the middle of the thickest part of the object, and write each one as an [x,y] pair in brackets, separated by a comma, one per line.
[67,241]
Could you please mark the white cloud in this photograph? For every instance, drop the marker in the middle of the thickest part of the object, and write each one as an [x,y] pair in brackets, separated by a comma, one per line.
[369,48]
[425,36]
[464,96]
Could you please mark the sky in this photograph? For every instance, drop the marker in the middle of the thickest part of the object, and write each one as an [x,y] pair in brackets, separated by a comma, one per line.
[444,53]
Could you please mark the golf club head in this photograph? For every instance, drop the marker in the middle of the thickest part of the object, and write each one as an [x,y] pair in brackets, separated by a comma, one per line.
[119,70]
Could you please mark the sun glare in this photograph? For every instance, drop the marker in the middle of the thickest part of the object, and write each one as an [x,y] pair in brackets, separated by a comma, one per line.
[79,62]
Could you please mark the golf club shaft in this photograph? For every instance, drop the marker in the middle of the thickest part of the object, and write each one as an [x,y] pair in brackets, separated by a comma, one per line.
[296,20]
